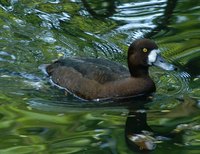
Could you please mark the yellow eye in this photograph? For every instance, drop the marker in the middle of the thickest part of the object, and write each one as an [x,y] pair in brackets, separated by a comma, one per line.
[145,50]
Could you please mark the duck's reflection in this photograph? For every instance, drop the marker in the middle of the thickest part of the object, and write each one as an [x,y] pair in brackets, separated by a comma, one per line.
[140,136]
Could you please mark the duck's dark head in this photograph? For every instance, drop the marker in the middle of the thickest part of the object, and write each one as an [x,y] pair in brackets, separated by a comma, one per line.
[143,53]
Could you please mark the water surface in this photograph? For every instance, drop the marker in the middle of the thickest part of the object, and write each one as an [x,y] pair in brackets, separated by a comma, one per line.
[39,118]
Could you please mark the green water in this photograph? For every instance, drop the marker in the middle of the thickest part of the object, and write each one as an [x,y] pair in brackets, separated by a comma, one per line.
[36,117]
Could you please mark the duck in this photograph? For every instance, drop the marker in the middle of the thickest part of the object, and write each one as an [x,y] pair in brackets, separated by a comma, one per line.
[99,79]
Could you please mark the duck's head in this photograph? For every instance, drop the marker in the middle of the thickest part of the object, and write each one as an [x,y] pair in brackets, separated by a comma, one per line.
[143,53]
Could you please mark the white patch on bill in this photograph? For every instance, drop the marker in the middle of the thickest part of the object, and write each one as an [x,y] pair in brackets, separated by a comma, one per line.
[152,56]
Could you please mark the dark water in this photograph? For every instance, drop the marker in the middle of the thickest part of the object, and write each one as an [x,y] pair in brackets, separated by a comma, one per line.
[36,117]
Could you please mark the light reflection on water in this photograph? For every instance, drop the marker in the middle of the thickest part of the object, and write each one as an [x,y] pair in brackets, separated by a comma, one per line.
[139,15]
[37,117]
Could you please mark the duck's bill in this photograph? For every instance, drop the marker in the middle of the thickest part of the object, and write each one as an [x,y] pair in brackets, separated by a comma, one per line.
[160,62]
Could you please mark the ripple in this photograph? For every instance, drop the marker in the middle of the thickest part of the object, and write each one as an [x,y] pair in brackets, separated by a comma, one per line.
[54,1]
[138,14]
[52,20]
[172,83]
[7,57]
[46,36]
[108,49]
[23,79]
[7,8]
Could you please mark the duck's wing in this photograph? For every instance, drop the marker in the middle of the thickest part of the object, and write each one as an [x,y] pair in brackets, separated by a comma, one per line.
[98,70]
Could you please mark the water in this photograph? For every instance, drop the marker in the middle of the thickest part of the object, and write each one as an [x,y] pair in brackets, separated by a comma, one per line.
[39,118]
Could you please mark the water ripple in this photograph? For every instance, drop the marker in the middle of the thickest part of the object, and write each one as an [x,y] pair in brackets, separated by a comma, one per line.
[108,49]
[173,83]
[49,20]
[5,56]
[138,14]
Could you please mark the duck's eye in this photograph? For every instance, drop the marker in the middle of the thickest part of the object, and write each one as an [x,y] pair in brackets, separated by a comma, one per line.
[144,50]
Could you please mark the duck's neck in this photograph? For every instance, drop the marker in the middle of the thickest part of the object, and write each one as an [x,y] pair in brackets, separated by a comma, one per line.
[139,71]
